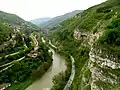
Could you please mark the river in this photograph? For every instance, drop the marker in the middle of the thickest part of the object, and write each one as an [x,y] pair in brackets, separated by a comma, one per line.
[45,82]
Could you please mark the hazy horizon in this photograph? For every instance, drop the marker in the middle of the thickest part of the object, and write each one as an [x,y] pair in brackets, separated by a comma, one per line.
[33,9]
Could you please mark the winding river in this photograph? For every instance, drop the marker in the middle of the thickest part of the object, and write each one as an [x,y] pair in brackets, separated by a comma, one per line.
[45,82]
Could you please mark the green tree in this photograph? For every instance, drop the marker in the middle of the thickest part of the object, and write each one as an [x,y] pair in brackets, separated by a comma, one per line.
[46,66]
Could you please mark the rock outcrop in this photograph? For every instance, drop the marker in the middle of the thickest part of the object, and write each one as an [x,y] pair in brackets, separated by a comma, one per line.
[102,64]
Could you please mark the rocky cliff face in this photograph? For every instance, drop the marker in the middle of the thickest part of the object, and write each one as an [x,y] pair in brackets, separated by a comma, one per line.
[80,35]
[103,64]
[102,69]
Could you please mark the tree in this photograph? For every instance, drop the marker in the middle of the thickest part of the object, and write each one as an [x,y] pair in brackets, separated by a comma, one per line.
[41,70]
[117,42]
[16,65]
[59,81]
[46,66]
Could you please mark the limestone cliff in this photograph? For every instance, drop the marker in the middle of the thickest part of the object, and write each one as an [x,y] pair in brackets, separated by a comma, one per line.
[103,64]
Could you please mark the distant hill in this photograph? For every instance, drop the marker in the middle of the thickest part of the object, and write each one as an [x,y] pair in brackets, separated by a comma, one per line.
[16,22]
[40,20]
[55,21]
[10,18]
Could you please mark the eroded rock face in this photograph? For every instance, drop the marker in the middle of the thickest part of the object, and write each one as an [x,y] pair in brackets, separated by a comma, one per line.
[102,69]
[80,35]
[86,36]
[102,66]
[104,60]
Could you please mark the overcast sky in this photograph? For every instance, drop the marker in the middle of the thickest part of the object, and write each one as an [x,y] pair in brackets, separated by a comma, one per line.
[32,9]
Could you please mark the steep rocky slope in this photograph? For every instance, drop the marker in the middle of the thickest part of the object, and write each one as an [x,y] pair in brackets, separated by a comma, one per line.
[92,37]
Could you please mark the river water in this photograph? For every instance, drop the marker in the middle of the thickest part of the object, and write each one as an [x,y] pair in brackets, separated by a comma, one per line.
[45,82]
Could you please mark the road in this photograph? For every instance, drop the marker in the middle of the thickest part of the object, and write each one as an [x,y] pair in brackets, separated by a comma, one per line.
[10,64]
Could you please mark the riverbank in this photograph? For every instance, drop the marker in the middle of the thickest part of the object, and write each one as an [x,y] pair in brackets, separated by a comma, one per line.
[40,83]
[21,85]
[27,71]
[71,78]
[65,82]
[36,74]
[45,82]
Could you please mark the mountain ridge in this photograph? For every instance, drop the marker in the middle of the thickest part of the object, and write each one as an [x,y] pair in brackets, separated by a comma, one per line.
[56,20]
[16,22]
[40,20]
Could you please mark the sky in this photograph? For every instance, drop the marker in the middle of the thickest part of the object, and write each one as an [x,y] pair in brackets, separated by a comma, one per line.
[33,9]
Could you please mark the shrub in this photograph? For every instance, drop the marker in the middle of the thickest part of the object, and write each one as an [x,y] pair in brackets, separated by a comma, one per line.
[112,36]
[117,42]
[115,24]
[109,37]
[103,10]
[108,16]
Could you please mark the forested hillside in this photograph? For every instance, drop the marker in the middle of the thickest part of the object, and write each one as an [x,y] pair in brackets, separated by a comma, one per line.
[52,23]
[23,56]
[17,23]
[92,38]
[5,33]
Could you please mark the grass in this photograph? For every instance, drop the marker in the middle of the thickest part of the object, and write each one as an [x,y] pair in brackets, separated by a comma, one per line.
[20,86]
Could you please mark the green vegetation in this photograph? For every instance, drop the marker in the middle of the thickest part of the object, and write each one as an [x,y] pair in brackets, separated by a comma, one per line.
[68,45]
[17,23]
[61,79]
[14,52]
[5,33]
[21,85]
[112,35]
[110,40]
[103,18]
[22,73]
[54,22]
